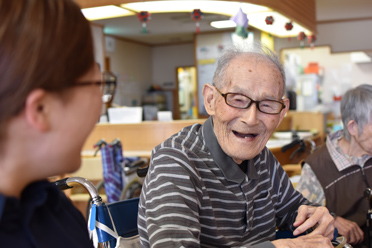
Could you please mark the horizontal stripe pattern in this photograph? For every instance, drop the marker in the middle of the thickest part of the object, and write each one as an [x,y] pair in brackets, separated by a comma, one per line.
[186,201]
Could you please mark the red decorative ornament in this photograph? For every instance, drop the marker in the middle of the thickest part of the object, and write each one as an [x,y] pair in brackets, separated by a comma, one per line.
[311,39]
[144,17]
[197,15]
[288,26]
[269,20]
[301,36]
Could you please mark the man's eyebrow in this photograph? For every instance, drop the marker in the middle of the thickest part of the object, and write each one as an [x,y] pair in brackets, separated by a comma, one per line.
[245,92]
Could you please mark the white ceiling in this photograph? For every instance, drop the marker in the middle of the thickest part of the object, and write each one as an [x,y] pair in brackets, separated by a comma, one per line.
[162,28]
[170,28]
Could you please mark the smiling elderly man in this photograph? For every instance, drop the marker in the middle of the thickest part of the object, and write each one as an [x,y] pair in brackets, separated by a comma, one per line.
[217,184]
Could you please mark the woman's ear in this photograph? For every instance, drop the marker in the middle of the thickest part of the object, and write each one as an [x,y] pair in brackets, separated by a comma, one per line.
[352,127]
[36,110]
[208,94]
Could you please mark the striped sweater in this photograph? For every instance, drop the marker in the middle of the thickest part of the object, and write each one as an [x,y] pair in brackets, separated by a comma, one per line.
[194,195]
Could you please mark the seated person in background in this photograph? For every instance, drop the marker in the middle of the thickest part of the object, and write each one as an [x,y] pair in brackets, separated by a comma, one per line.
[217,184]
[46,56]
[338,173]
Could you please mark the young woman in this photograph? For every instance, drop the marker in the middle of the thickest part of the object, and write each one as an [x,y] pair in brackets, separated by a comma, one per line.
[50,100]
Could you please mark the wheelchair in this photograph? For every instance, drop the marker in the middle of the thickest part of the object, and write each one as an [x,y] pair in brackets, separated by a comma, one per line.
[112,224]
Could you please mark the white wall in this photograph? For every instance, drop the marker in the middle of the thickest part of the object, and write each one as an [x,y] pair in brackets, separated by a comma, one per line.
[344,24]
[165,60]
[98,40]
[132,63]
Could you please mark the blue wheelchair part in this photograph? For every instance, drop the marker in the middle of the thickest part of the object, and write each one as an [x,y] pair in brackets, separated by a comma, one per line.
[124,216]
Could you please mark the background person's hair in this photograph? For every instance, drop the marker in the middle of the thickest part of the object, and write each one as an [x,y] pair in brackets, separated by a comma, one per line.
[255,49]
[356,104]
[43,44]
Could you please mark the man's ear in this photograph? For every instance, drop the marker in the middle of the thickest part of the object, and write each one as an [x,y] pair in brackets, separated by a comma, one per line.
[36,110]
[352,127]
[284,111]
[208,94]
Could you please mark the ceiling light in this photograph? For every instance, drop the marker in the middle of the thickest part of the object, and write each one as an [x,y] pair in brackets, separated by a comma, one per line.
[105,12]
[217,7]
[223,24]
[359,57]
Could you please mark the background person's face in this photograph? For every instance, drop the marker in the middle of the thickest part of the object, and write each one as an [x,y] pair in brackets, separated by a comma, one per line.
[364,140]
[243,133]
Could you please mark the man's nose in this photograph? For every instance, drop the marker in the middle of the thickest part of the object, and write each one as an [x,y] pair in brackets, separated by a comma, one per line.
[250,114]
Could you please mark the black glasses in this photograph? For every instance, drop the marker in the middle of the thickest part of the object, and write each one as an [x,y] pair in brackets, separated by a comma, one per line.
[107,86]
[241,101]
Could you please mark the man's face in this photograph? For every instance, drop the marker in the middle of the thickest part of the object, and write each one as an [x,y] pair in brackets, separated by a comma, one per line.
[243,133]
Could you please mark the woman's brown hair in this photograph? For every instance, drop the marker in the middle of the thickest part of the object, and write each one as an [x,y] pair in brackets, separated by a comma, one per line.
[43,44]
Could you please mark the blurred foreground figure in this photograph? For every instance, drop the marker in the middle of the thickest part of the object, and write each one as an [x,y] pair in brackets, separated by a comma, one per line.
[46,54]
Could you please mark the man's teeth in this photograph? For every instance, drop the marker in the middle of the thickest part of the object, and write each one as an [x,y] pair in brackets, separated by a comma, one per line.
[242,135]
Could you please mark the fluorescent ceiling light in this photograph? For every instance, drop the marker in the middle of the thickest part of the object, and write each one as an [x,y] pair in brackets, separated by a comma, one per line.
[105,12]
[218,7]
[359,57]
[223,24]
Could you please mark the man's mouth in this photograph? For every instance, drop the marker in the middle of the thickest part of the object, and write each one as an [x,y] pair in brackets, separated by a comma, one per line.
[245,135]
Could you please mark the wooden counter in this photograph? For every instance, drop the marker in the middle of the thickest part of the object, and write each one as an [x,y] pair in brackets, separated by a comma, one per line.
[140,137]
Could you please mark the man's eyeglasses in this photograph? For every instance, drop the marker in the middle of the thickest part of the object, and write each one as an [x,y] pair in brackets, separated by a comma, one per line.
[107,86]
[241,101]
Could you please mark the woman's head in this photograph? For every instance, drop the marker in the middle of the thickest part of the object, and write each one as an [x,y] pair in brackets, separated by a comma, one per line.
[44,44]
[356,105]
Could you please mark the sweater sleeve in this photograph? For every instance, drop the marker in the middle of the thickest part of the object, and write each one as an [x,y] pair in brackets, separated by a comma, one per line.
[288,200]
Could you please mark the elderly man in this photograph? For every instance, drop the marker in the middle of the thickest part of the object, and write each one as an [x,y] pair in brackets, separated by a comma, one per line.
[216,184]
[339,172]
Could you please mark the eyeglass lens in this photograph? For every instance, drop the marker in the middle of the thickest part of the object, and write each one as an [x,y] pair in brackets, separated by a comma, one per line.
[241,101]
[109,86]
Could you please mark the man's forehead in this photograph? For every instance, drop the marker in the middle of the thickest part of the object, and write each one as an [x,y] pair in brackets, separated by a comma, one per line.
[252,59]
[248,63]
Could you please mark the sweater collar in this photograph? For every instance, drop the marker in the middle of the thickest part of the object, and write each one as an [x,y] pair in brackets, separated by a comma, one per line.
[342,160]
[229,168]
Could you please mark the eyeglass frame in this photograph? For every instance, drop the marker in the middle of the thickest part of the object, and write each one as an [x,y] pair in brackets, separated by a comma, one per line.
[224,95]
[102,87]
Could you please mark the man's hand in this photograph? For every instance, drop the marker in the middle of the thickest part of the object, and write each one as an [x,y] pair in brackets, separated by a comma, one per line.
[305,241]
[317,217]
[350,230]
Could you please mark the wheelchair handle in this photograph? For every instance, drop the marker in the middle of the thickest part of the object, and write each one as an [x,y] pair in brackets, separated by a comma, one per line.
[292,144]
[141,172]
[69,182]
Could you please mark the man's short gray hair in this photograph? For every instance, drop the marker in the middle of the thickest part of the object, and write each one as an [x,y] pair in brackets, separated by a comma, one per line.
[255,49]
[356,104]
